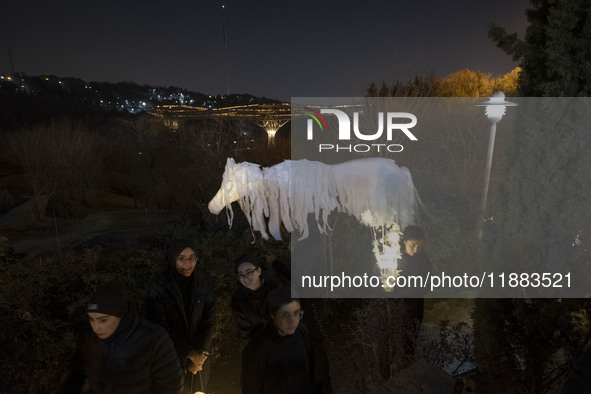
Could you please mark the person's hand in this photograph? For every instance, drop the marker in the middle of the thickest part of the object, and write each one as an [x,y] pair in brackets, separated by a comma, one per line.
[198,358]
[193,368]
[270,258]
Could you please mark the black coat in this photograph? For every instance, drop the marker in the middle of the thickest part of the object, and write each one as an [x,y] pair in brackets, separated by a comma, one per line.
[272,364]
[579,379]
[165,306]
[414,266]
[250,308]
[138,358]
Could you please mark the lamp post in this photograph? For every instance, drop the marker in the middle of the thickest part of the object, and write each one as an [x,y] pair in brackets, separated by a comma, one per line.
[494,111]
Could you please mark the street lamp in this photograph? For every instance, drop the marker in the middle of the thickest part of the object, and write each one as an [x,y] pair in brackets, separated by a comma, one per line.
[494,111]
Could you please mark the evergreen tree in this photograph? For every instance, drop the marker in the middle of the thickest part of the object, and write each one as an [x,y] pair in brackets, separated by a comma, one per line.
[541,211]
[556,52]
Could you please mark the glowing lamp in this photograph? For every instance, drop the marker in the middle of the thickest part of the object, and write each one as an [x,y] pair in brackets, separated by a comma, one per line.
[494,110]
[495,107]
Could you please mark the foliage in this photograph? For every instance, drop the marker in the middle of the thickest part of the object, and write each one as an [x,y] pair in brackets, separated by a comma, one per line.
[9,199]
[527,345]
[450,239]
[60,208]
[139,157]
[453,348]
[508,43]
[541,210]
[42,301]
[463,83]
[59,157]
[509,83]
[555,53]
[165,169]
[226,339]
[380,333]
[45,301]
[541,217]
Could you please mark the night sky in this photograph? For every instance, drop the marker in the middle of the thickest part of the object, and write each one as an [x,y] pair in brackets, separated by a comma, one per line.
[276,49]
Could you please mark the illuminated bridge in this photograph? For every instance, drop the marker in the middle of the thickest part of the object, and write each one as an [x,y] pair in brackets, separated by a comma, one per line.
[270,117]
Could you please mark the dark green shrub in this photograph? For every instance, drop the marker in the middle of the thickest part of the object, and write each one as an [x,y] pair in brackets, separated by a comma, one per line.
[43,303]
[527,345]
[9,199]
[63,209]
[379,332]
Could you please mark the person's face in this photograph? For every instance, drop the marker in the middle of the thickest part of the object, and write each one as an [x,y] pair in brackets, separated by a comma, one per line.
[103,325]
[287,318]
[413,246]
[249,276]
[186,261]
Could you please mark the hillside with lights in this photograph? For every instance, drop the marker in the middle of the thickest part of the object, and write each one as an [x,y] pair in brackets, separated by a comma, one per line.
[25,99]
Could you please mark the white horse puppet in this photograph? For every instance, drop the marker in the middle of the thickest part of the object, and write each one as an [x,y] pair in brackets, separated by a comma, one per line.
[374,190]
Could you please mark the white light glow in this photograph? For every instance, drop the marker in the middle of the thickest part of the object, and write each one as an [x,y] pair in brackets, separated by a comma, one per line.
[386,250]
[366,218]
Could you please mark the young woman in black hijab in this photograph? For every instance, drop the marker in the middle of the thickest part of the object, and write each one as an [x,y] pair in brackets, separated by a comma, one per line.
[122,352]
[182,300]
